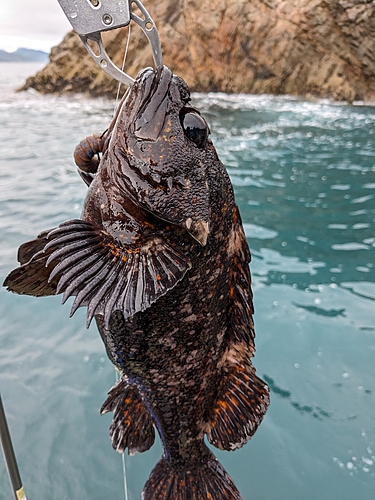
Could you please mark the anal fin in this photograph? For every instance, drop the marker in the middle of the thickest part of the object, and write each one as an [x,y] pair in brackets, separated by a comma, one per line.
[132,426]
[105,275]
[242,402]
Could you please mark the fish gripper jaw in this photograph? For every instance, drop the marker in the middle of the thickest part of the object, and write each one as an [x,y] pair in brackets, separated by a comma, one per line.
[90,17]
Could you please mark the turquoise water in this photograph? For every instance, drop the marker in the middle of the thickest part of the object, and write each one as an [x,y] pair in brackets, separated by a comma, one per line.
[304,178]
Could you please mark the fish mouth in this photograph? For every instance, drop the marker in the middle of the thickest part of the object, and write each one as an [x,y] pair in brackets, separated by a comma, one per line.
[143,105]
[150,116]
[199,230]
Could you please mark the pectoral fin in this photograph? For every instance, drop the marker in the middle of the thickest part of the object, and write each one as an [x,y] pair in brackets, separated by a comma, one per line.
[84,261]
[32,277]
[106,276]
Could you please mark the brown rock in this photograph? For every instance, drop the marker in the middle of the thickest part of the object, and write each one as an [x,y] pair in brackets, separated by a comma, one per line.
[323,48]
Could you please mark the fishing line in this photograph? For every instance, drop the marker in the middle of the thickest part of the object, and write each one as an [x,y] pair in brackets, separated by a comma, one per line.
[116,372]
[122,68]
[123,455]
[125,477]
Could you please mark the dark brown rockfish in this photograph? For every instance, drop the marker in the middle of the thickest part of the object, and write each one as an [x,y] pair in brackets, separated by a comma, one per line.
[161,261]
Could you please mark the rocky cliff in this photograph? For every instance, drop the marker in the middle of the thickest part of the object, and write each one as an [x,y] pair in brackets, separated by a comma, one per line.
[323,48]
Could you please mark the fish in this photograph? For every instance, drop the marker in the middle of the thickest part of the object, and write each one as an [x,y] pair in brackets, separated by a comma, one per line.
[160,259]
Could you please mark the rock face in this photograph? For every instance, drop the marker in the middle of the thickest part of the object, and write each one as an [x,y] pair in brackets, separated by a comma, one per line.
[323,48]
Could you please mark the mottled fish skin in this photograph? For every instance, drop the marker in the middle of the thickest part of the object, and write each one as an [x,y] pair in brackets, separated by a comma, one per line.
[161,261]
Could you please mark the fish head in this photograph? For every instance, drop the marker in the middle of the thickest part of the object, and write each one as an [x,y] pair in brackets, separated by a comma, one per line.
[160,152]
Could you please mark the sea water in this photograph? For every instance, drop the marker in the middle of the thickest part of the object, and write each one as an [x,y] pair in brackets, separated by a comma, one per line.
[304,178]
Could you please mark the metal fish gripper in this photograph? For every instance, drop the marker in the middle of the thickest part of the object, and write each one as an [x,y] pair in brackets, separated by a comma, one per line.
[90,17]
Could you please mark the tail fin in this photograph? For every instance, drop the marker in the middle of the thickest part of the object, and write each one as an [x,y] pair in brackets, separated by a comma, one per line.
[208,481]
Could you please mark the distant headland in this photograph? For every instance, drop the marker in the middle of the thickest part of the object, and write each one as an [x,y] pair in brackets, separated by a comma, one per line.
[23,55]
[308,48]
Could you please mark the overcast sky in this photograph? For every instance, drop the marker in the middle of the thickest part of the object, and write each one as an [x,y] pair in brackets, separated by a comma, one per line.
[34,24]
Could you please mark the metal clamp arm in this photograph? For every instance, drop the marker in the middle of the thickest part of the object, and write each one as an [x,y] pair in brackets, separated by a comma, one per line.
[90,17]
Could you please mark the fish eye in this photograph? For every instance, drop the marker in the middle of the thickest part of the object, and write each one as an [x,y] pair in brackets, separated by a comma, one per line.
[195,128]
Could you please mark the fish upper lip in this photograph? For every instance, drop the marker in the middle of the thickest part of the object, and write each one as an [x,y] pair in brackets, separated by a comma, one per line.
[138,98]
[153,106]
[162,77]
[145,74]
